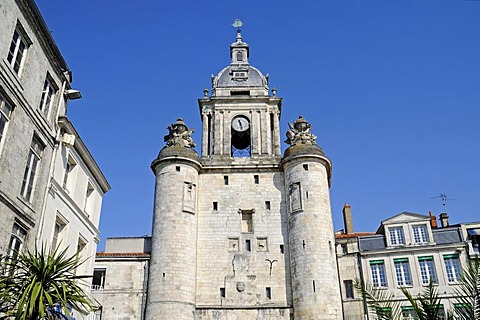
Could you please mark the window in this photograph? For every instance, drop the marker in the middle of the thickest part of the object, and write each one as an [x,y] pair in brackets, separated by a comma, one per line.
[5,112]
[57,233]
[384,313]
[377,268]
[402,272]
[98,280]
[16,54]
[452,266]
[409,313]
[396,236]
[215,206]
[344,248]
[268,293]
[248,245]
[16,241]
[247,223]
[33,161]
[68,177]
[420,233]
[48,94]
[81,244]
[267,205]
[225,180]
[222,292]
[348,289]
[89,198]
[427,270]
[256,179]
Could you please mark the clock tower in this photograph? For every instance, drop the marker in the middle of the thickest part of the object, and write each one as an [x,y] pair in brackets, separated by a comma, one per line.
[241,232]
[240,117]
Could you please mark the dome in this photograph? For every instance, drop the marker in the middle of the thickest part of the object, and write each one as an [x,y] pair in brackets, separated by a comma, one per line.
[246,77]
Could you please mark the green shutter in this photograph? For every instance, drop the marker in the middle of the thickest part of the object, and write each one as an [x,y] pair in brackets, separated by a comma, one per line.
[407,308]
[429,258]
[450,256]
[400,260]
[376,262]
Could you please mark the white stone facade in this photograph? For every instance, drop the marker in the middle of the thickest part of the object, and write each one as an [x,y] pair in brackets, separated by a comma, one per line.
[240,232]
[38,142]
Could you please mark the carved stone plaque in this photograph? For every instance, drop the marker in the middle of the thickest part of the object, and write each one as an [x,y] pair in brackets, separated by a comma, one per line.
[189,196]
[295,197]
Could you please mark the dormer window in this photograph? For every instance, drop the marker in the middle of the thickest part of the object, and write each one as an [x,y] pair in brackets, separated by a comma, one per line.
[396,236]
[420,233]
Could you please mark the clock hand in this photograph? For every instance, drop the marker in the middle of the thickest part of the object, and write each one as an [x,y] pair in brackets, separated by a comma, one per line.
[240,123]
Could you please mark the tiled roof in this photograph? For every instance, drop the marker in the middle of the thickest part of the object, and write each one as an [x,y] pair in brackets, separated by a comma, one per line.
[122,254]
[353,235]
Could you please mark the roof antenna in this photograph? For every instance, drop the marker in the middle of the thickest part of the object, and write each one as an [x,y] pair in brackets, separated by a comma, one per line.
[444,198]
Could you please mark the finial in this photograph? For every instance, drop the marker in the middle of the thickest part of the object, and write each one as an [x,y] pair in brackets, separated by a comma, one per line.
[238,24]
[274,91]
[205,93]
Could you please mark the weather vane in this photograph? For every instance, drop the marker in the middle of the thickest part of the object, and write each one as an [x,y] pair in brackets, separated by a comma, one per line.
[238,24]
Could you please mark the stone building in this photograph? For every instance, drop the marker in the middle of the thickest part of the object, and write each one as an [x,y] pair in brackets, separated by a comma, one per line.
[241,232]
[120,277]
[407,251]
[51,189]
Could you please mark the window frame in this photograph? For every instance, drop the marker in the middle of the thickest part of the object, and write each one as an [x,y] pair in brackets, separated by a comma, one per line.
[6,109]
[15,44]
[420,237]
[31,168]
[453,268]
[378,273]
[49,92]
[396,236]
[426,266]
[403,275]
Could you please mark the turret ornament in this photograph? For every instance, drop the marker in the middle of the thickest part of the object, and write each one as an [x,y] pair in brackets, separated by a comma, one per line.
[299,133]
[179,135]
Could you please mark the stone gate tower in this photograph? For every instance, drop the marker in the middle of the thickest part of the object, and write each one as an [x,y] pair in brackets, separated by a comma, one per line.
[241,232]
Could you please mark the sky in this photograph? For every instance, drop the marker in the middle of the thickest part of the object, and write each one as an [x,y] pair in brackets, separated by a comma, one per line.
[391,88]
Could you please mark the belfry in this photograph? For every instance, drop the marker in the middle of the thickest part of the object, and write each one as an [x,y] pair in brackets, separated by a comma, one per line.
[240,231]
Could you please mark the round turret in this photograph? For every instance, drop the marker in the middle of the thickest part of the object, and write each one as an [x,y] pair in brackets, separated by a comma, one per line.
[315,288]
[171,286]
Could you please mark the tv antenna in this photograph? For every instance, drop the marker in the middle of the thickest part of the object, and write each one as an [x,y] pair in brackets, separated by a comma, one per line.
[444,198]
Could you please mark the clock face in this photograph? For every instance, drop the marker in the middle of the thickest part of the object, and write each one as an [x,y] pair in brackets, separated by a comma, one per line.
[240,124]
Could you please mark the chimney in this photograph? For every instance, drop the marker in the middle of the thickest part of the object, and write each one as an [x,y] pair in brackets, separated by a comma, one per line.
[444,219]
[347,218]
[433,221]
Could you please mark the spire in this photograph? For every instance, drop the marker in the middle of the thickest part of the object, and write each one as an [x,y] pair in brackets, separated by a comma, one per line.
[239,50]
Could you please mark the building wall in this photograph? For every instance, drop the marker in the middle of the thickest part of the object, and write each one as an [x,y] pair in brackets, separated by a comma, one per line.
[24,92]
[220,231]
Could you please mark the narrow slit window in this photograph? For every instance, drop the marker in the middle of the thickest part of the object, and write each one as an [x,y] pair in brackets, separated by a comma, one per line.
[268,293]
[281,249]
[215,206]
[305,166]
[247,223]
[313,282]
[256,179]
[267,205]
[222,292]
[177,168]
[225,180]
[248,245]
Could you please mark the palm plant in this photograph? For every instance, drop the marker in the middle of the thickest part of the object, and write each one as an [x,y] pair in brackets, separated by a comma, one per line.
[468,293]
[385,306]
[38,285]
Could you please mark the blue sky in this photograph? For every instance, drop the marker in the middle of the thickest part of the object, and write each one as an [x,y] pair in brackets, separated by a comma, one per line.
[392,89]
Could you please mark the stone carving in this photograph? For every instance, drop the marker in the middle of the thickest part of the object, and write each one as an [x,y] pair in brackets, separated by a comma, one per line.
[262,244]
[240,286]
[295,197]
[299,133]
[179,135]
[233,244]
[189,197]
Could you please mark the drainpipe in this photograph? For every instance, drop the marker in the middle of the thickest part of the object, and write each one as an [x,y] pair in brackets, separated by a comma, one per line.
[144,290]
[61,103]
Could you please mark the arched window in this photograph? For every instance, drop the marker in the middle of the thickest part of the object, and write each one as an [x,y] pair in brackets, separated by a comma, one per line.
[241,142]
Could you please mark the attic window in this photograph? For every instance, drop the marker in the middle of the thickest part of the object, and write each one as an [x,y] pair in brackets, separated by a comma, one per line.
[240,93]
